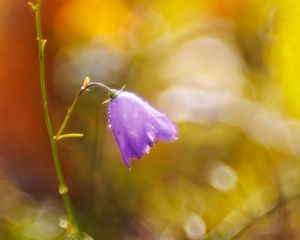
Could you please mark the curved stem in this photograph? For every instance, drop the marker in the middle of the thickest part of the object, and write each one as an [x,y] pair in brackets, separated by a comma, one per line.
[101,85]
[62,187]
[112,92]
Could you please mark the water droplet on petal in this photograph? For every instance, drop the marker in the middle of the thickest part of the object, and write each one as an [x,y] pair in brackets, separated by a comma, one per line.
[151,136]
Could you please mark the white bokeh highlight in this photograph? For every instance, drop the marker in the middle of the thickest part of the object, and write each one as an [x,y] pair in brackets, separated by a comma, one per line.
[194,227]
[223,178]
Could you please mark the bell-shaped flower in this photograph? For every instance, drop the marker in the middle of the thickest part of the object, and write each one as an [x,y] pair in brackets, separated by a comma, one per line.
[136,125]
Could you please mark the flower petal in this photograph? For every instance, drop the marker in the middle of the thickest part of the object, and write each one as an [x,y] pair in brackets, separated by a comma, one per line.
[136,125]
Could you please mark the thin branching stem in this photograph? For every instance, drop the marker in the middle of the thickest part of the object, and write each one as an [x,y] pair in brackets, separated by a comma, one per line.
[62,187]
[67,117]
[85,87]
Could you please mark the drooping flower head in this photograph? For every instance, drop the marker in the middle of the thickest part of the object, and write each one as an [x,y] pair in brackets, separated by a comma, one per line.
[136,125]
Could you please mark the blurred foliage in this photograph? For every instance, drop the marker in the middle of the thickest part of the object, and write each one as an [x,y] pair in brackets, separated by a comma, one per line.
[225,71]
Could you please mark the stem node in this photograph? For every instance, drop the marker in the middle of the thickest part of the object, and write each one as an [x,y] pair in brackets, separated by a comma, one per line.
[63,189]
[34,7]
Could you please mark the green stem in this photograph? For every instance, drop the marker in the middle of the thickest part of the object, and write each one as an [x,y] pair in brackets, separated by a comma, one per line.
[67,117]
[62,187]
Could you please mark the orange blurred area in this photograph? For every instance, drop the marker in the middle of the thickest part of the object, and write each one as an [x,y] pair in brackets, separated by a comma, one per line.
[227,74]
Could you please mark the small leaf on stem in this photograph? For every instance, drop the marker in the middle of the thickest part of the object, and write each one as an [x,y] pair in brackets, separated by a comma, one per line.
[68,135]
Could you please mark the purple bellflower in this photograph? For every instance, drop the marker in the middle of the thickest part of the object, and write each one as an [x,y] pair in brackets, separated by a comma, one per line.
[136,125]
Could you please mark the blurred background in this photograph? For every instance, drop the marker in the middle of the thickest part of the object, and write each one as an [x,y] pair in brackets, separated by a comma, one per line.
[226,72]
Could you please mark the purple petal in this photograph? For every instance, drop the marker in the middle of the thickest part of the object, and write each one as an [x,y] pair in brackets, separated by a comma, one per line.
[136,125]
